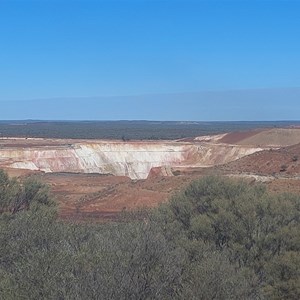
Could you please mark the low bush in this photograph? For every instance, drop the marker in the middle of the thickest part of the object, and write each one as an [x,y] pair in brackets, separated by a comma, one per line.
[217,239]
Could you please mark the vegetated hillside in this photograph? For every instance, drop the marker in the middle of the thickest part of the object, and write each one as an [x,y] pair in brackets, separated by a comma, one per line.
[283,161]
[217,239]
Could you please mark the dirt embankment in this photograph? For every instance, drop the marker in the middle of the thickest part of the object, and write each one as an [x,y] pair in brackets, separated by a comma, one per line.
[237,137]
[276,137]
[284,161]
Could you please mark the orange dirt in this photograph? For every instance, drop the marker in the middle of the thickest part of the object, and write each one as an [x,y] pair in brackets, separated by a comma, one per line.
[284,161]
[278,137]
[100,197]
[92,197]
[284,185]
[236,137]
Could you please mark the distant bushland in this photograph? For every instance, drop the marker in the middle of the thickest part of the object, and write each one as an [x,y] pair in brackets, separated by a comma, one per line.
[125,130]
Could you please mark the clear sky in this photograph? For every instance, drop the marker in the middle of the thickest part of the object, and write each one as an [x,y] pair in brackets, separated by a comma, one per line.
[164,60]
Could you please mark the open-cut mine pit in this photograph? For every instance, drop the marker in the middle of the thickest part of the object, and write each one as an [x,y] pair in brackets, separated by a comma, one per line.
[100,178]
[134,159]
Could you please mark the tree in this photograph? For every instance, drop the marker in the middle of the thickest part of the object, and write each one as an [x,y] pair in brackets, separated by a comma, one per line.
[255,229]
[16,196]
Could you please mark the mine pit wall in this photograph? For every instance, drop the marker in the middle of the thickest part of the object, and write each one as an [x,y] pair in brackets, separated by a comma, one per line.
[122,159]
[209,154]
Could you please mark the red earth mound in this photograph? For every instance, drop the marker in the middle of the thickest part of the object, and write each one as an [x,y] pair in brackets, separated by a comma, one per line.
[238,136]
[284,161]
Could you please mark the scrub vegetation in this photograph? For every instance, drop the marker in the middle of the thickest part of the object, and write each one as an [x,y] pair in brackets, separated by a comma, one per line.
[217,239]
[126,130]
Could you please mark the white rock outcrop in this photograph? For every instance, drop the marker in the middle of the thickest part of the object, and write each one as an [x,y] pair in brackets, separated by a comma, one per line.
[133,159]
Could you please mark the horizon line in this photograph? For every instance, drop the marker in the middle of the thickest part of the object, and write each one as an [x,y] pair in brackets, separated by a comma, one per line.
[148,120]
[209,91]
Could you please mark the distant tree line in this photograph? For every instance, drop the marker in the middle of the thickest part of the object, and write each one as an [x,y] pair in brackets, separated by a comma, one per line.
[217,239]
[129,130]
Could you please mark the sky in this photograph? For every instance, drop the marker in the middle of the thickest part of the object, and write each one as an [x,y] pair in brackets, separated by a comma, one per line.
[150,59]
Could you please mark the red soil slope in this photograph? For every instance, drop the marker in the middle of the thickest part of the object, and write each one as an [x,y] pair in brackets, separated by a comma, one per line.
[277,137]
[284,161]
[236,137]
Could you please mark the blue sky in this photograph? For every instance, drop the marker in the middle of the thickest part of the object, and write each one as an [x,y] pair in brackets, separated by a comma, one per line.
[162,60]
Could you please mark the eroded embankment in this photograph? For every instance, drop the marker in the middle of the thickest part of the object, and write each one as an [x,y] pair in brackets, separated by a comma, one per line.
[134,159]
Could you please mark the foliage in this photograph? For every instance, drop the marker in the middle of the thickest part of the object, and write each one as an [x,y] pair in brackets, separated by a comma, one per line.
[259,232]
[15,196]
[218,239]
[129,130]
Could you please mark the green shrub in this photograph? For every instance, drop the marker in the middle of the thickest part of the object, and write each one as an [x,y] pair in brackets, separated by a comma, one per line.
[217,239]
[255,229]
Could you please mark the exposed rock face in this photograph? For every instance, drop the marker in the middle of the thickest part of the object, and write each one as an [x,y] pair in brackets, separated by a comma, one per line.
[133,159]
[130,159]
